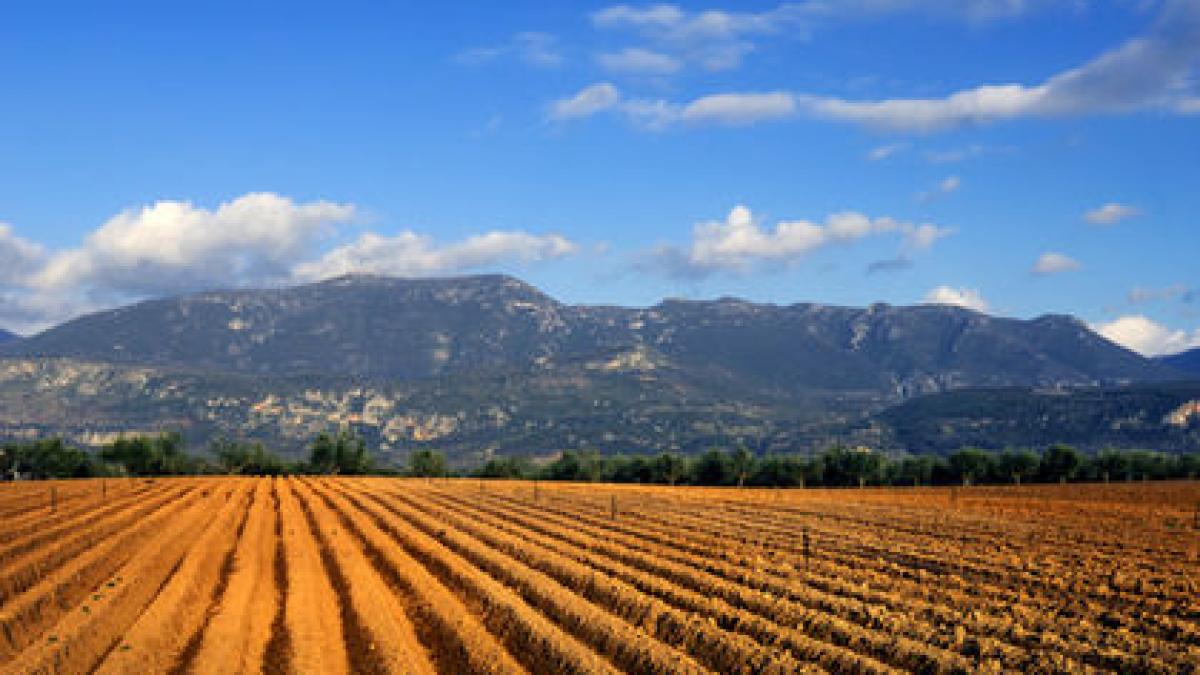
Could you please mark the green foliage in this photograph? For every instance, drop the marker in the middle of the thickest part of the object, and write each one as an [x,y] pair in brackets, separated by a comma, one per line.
[342,453]
[584,466]
[160,455]
[845,467]
[249,459]
[507,467]
[47,458]
[1061,462]
[427,464]
[971,465]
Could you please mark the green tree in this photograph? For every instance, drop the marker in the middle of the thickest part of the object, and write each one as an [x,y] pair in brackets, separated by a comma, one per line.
[971,465]
[712,468]
[1015,465]
[341,453]
[741,464]
[668,468]
[507,467]
[1112,464]
[1061,462]
[427,464]
[150,455]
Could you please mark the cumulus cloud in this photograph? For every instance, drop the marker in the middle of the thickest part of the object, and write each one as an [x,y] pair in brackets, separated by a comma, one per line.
[739,243]
[257,239]
[412,254]
[639,61]
[1146,336]
[1111,214]
[175,246]
[969,298]
[19,258]
[1054,263]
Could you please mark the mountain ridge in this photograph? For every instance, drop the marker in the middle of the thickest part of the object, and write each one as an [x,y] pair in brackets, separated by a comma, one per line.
[489,364]
[379,327]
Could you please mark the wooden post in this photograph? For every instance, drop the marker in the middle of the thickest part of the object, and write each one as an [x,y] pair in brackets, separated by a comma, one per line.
[535,491]
[614,507]
[103,489]
[807,548]
[53,499]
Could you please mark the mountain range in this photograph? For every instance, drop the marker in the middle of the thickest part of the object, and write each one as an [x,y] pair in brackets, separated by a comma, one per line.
[485,364]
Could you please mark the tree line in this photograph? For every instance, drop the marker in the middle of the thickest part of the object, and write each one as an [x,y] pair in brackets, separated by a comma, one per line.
[840,467]
[165,454]
[345,453]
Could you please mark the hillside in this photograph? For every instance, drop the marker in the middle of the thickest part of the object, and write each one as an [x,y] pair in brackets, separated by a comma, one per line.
[485,364]
[400,329]
[1188,362]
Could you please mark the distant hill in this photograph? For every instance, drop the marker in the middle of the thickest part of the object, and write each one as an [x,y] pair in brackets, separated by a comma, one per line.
[399,329]
[6,336]
[1091,418]
[1188,362]
[483,364]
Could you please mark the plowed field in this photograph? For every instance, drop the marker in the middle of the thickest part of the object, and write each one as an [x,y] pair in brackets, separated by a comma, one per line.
[366,575]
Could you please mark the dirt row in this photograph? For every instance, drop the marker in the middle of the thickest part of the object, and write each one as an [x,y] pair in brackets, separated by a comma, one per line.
[348,575]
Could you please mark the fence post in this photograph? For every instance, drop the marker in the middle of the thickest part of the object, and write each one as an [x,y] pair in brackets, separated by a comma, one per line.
[807,548]
[614,507]
[53,499]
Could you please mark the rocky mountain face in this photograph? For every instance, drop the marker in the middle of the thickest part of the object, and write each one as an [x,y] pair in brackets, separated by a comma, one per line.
[398,329]
[488,363]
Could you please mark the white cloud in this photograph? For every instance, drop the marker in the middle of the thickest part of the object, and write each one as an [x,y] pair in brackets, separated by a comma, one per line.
[944,187]
[730,109]
[711,39]
[257,239]
[739,108]
[174,245]
[412,254]
[639,61]
[1110,214]
[717,39]
[1054,263]
[1147,337]
[1150,72]
[19,258]
[530,47]
[969,298]
[883,152]
[1144,73]
[589,101]
[738,243]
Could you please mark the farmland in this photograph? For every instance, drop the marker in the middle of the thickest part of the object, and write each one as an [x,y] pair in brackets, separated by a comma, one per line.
[337,575]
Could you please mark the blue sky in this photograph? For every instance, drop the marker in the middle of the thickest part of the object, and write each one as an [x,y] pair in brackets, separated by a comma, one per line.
[1017,156]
